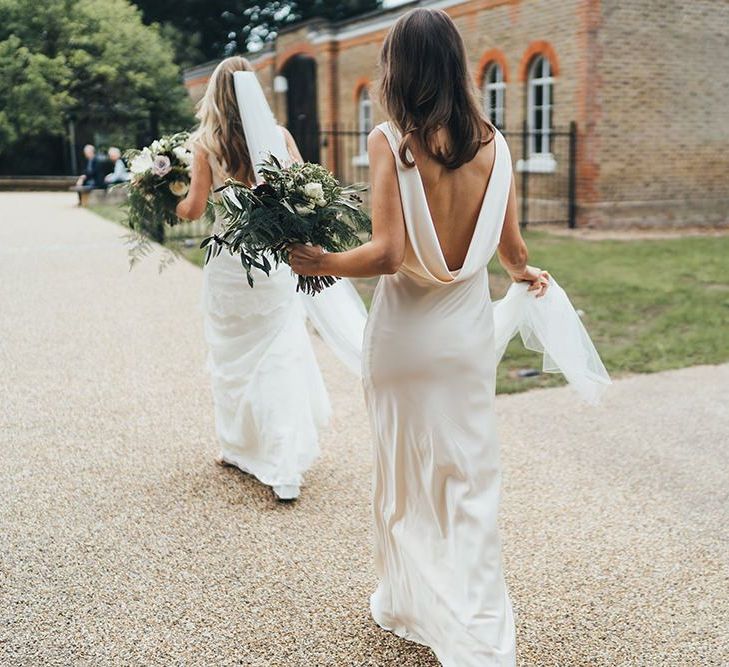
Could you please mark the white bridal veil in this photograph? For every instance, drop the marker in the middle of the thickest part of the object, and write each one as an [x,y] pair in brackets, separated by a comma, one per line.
[548,325]
[337,313]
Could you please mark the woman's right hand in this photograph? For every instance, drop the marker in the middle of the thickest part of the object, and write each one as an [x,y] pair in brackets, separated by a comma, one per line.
[538,280]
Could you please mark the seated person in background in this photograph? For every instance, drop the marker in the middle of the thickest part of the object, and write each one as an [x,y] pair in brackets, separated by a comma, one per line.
[119,173]
[93,175]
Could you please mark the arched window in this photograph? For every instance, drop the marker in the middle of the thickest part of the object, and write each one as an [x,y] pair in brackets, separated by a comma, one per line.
[364,119]
[540,102]
[494,89]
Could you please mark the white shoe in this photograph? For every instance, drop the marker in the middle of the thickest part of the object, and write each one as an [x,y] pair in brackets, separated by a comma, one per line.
[286,491]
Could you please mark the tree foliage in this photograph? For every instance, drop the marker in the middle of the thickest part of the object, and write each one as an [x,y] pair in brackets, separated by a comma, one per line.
[91,60]
[209,29]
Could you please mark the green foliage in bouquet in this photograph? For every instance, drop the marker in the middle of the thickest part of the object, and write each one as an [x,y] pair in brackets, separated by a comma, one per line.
[300,203]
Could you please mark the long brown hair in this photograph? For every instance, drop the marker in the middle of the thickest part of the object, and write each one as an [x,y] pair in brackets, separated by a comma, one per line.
[221,131]
[426,86]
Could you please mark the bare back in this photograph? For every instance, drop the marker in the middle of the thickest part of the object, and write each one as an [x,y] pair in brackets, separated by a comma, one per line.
[455,197]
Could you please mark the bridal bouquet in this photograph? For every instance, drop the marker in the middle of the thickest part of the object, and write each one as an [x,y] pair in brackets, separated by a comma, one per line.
[300,203]
[160,178]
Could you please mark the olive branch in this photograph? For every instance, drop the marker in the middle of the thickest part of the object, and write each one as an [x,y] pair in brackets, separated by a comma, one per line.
[264,220]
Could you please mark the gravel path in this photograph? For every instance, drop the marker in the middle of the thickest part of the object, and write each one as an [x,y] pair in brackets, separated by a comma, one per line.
[121,543]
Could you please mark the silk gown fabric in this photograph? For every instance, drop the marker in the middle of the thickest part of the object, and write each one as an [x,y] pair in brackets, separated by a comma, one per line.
[429,372]
[269,396]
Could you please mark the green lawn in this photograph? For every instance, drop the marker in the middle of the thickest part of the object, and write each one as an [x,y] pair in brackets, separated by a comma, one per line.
[113,212]
[649,305]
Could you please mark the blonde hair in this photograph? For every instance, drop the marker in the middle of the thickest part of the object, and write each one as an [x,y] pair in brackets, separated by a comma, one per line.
[220,132]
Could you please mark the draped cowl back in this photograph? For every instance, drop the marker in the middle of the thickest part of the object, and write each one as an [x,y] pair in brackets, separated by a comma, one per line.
[424,256]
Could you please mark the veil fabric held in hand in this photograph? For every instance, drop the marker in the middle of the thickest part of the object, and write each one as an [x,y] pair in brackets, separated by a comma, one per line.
[550,325]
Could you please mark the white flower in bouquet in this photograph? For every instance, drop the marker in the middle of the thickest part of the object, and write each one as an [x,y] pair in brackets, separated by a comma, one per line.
[183,155]
[162,165]
[315,193]
[179,188]
[142,162]
[156,146]
[304,209]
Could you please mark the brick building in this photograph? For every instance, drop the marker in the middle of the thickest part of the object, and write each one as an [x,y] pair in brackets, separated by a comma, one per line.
[645,83]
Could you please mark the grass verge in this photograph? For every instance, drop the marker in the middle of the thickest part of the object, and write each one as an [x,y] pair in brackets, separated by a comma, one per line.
[649,305]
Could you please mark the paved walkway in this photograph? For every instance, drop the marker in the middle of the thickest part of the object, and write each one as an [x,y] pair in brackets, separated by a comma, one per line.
[121,543]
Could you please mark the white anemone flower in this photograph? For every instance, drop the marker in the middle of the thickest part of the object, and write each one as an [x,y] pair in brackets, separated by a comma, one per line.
[142,163]
[183,155]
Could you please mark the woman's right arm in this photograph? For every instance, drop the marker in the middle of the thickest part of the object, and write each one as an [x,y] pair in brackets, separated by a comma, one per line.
[513,253]
[194,204]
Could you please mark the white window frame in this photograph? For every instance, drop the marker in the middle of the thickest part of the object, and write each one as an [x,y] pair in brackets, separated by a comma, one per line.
[364,127]
[498,87]
[539,76]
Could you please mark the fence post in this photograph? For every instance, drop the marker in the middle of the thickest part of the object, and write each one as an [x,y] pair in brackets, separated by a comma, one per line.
[572,194]
[525,175]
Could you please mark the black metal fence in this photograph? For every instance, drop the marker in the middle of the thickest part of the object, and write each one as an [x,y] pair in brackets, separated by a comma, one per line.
[545,173]
[344,151]
[544,168]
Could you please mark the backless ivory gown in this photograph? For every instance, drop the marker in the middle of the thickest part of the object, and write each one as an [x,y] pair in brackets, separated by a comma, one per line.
[269,396]
[429,367]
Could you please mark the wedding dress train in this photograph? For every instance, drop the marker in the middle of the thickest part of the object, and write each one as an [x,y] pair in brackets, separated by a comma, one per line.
[269,396]
[270,400]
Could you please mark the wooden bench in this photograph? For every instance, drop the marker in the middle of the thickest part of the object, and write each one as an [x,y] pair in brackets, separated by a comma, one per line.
[35,183]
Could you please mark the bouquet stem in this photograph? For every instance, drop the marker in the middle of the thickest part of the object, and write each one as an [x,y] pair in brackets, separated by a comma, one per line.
[312,285]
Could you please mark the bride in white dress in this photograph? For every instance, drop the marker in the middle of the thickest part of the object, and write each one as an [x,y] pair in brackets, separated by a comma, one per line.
[270,400]
[443,202]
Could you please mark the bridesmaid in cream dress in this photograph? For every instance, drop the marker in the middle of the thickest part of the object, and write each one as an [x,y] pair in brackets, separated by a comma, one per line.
[443,202]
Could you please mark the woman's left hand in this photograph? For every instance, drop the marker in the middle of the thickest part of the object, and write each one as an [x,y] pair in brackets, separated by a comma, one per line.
[306,260]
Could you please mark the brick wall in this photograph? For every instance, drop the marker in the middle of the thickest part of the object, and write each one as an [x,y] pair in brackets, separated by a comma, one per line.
[645,82]
[358,67]
[507,26]
[663,152]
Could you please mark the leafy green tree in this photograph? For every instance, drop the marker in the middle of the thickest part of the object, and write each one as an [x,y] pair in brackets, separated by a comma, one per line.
[93,61]
[34,92]
[210,29]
